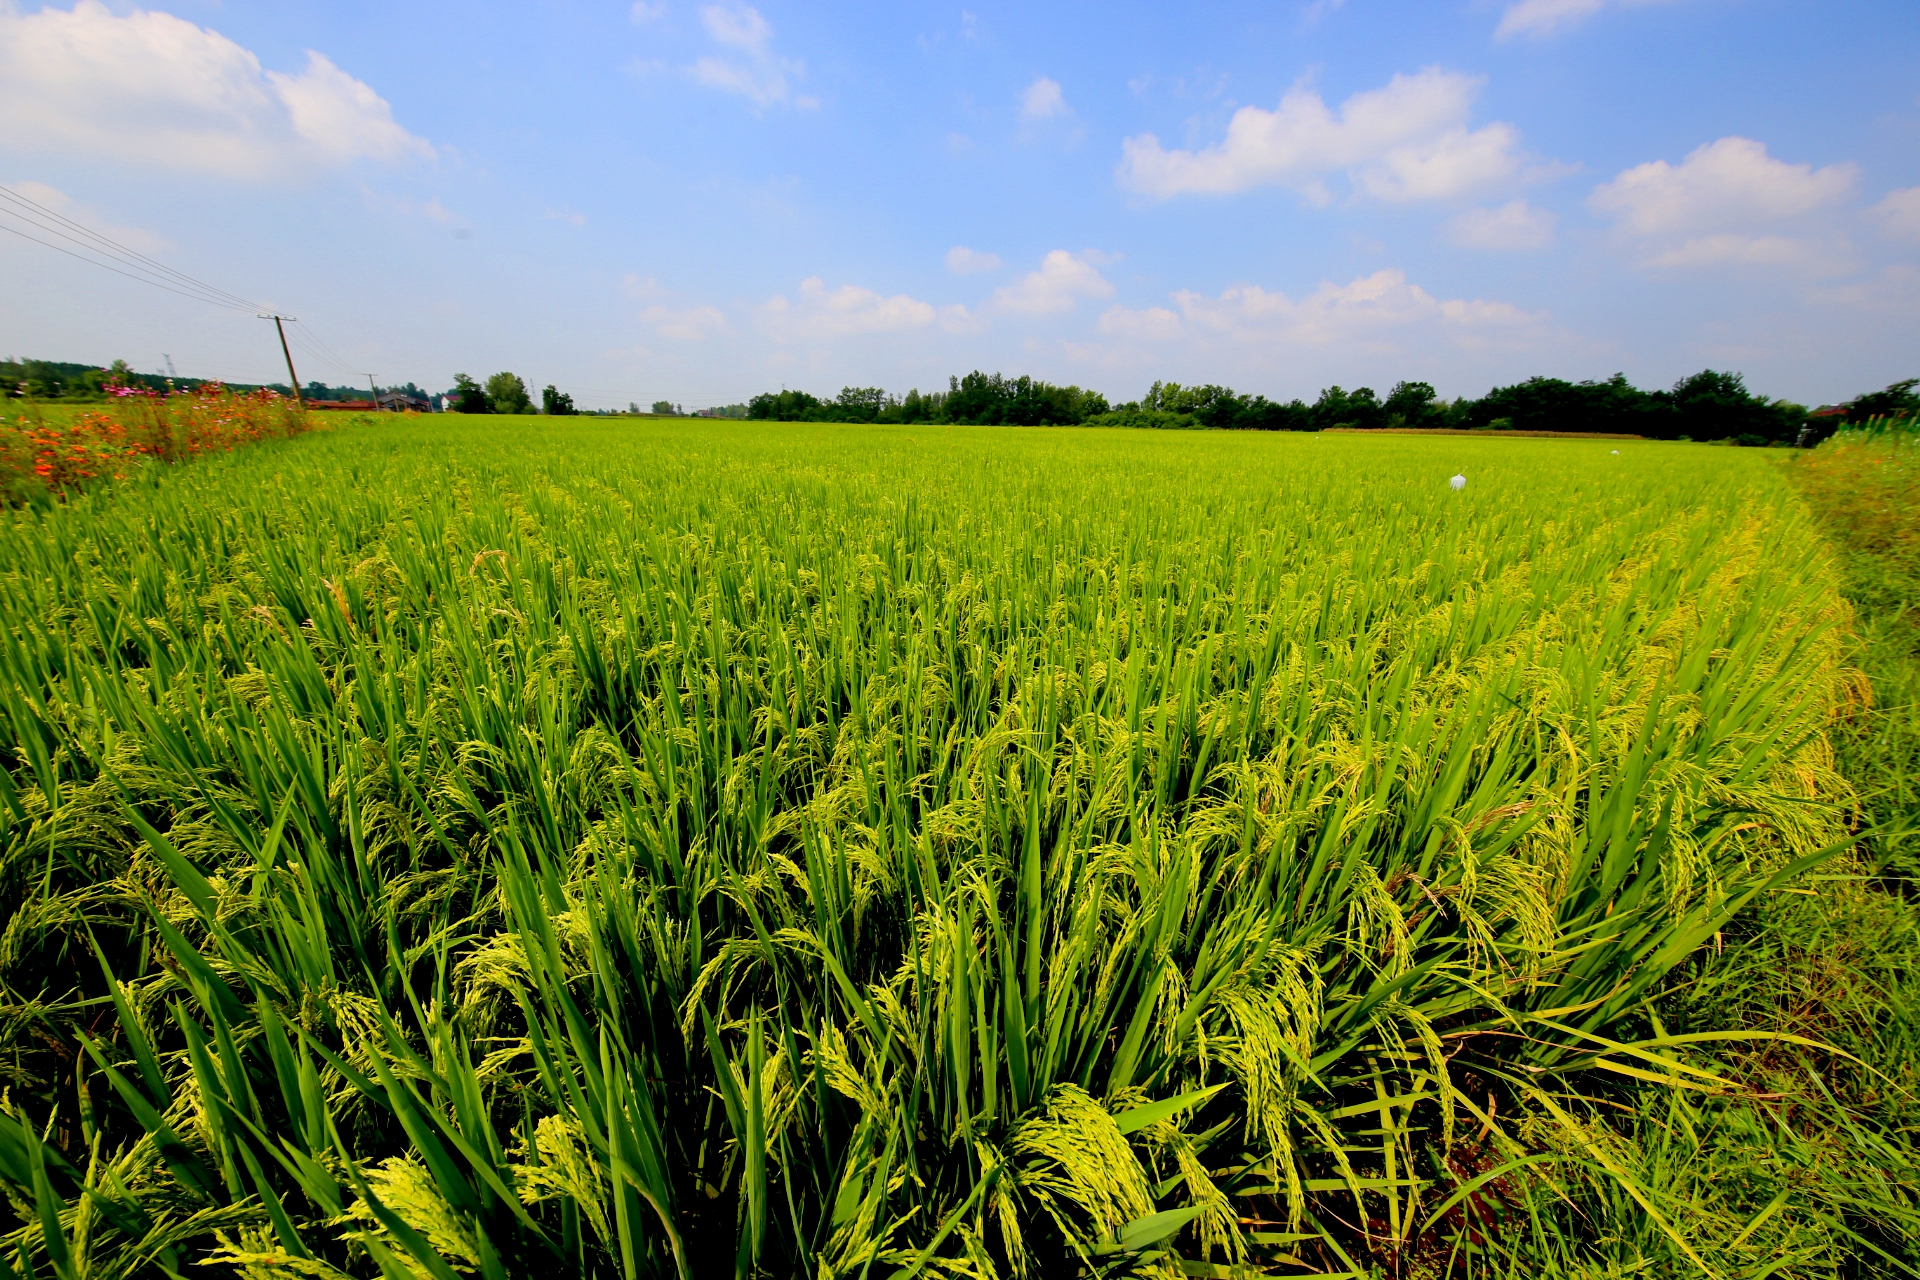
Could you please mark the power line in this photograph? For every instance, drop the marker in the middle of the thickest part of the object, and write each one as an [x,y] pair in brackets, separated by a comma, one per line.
[150,270]
[309,347]
[314,345]
[103,266]
[90,246]
[338,359]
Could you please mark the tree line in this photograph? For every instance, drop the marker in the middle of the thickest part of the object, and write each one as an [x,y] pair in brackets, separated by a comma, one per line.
[508,393]
[60,380]
[1709,405]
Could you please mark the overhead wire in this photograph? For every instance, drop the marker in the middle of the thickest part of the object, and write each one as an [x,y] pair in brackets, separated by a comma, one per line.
[309,348]
[134,265]
[121,260]
[326,354]
[91,247]
[103,266]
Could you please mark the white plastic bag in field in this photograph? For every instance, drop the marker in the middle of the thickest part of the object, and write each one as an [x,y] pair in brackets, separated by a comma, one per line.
[1458,482]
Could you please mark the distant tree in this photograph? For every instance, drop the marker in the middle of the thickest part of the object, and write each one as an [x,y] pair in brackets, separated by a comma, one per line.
[555,402]
[1134,414]
[1553,404]
[1338,407]
[1413,404]
[915,407]
[995,400]
[664,407]
[1717,406]
[469,396]
[862,404]
[784,406]
[1899,400]
[508,393]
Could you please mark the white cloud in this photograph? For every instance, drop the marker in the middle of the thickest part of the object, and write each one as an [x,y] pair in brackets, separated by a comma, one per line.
[1731,183]
[1150,324]
[690,324]
[1895,291]
[567,216]
[822,314]
[1545,17]
[1732,248]
[643,12]
[1408,140]
[1367,313]
[156,89]
[342,118]
[1541,17]
[1729,204]
[66,206]
[752,70]
[1062,280]
[740,28]
[1042,100]
[639,287]
[1457,161]
[963,261]
[1514,225]
[431,209]
[1899,213]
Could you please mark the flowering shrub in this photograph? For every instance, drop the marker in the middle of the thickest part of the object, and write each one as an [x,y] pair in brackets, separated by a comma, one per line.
[39,456]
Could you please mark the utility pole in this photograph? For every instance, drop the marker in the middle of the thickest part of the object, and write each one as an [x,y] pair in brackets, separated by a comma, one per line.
[376,393]
[292,377]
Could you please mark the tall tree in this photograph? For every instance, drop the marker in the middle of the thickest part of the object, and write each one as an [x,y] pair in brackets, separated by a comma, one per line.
[469,396]
[509,394]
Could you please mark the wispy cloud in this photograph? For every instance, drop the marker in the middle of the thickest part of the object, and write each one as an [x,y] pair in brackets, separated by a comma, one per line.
[821,314]
[135,238]
[963,261]
[1383,311]
[1042,100]
[1514,225]
[1549,17]
[685,324]
[750,67]
[1899,213]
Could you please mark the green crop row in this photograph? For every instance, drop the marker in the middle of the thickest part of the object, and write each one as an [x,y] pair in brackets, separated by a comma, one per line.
[443,849]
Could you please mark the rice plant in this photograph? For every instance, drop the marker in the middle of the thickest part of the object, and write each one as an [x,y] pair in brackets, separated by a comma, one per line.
[476,849]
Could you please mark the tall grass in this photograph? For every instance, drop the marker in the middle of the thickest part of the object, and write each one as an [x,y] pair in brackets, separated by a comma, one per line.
[667,851]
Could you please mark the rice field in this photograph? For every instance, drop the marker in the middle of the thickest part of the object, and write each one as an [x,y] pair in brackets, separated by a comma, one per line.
[468,847]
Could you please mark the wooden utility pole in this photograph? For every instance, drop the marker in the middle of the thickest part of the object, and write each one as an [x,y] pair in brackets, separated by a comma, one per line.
[376,393]
[285,351]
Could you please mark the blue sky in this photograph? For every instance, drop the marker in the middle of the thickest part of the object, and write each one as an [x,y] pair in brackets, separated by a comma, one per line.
[696,202]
